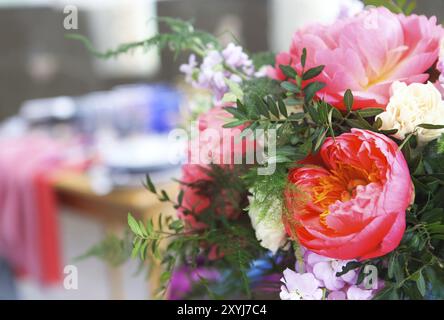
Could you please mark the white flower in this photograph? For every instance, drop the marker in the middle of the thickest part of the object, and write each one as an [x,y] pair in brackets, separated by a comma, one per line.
[300,286]
[266,218]
[412,105]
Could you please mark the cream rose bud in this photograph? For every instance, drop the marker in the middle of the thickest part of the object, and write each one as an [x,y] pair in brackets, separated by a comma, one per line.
[412,105]
[266,218]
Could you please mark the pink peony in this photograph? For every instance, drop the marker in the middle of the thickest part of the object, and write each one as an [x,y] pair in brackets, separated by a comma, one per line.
[366,53]
[341,204]
[216,144]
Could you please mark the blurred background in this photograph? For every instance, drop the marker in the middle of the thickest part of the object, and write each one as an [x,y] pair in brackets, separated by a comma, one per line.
[77,134]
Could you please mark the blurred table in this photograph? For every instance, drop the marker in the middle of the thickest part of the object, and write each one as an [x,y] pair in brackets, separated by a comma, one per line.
[74,191]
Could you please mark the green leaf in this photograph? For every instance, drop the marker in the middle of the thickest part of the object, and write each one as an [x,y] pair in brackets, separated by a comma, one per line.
[420,283]
[234,124]
[236,113]
[296,116]
[272,107]
[288,71]
[436,228]
[262,59]
[378,124]
[134,226]
[360,124]
[348,100]
[370,112]
[304,57]
[311,89]
[262,108]
[389,132]
[320,140]
[150,184]
[229,97]
[291,87]
[433,215]
[312,73]
[292,102]
[386,3]
[431,126]
[410,8]
[180,198]
[165,276]
[282,108]
[176,225]
[136,248]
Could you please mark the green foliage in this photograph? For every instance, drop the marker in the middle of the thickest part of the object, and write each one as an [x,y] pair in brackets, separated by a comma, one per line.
[415,270]
[262,59]
[182,37]
[396,6]
[174,243]
[112,249]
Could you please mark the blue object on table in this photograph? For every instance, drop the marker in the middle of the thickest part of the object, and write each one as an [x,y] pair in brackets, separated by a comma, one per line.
[164,109]
[7,286]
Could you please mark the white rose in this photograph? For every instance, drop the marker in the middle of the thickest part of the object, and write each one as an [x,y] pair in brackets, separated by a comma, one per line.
[412,105]
[266,218]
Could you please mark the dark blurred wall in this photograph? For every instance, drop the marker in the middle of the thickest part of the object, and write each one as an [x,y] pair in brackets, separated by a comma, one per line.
[37,61]
[431,8]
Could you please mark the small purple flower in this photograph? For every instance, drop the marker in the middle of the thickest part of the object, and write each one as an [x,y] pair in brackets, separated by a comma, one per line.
[337,295]
[357,293]
[183,279]
[300,286]
[213,74]
[325,270]
[189,69]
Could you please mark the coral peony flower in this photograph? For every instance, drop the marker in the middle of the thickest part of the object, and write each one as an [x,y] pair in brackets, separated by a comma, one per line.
[366,53]
[350,201]
[412,105]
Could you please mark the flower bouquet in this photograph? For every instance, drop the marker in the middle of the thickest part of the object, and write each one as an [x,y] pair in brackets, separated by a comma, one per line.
[317,173]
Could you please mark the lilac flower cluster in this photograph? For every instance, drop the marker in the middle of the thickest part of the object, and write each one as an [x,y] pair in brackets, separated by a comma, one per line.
[440,67]
[218,68]
[315,279]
